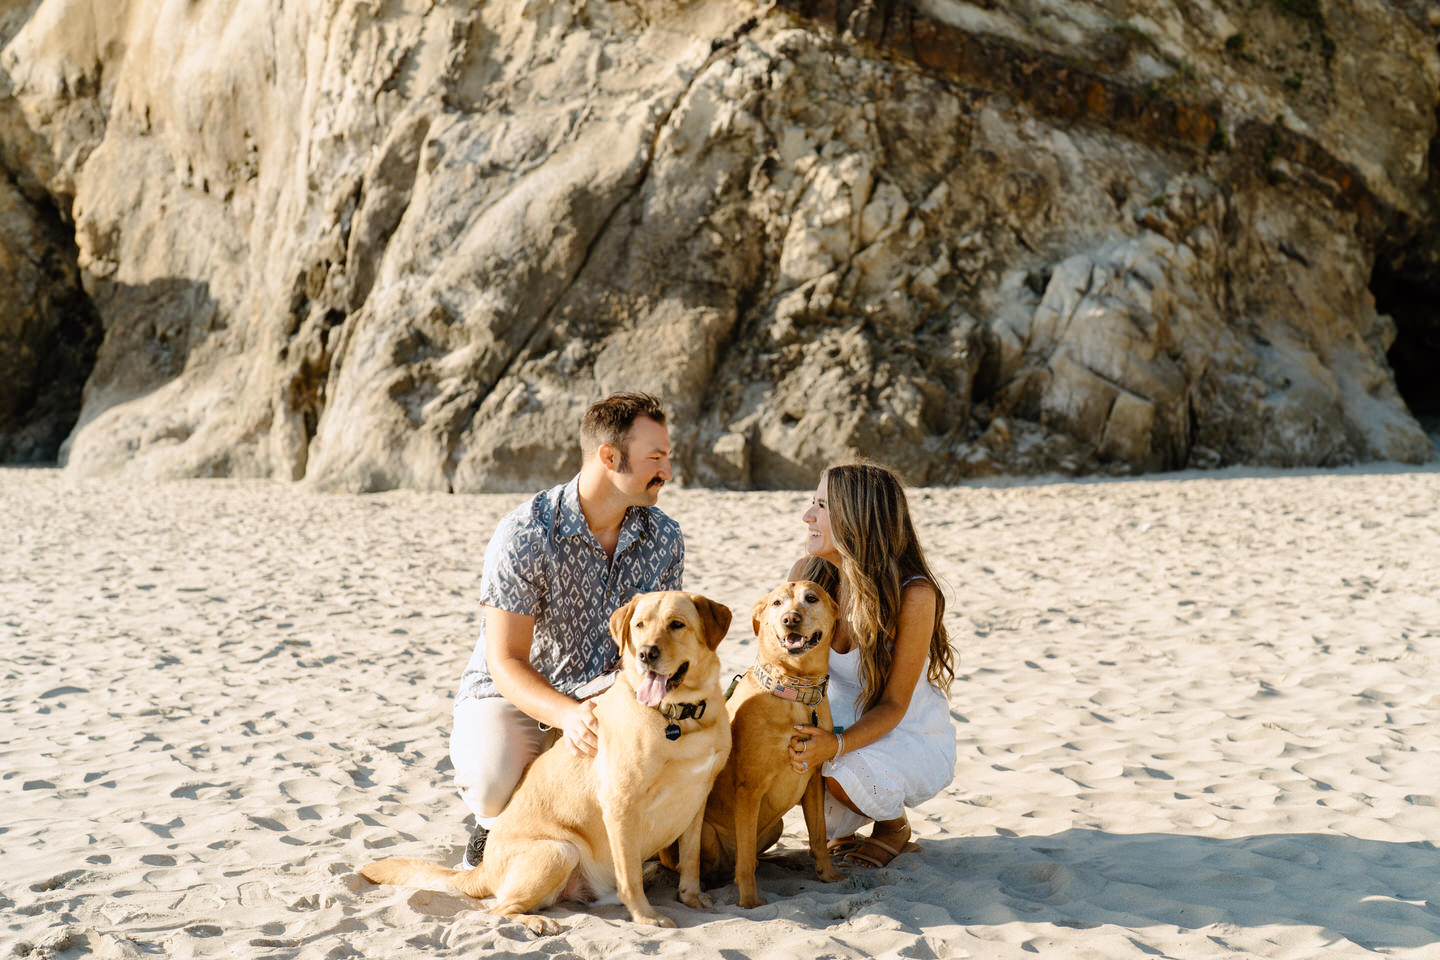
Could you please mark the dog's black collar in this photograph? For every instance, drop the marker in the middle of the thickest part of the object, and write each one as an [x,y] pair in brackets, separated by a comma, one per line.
[675,712]
[684,711]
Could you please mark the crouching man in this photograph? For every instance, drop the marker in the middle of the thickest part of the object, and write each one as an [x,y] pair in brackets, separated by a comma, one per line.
[555,570]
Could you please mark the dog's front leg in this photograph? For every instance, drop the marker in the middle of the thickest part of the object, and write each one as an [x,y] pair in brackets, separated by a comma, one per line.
[812,804]
[629,858]
[747,828]
[689,866]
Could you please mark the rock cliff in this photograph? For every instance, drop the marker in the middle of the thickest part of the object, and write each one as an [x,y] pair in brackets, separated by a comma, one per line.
[380,243]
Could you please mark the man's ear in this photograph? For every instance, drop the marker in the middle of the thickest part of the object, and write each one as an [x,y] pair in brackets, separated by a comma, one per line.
[609,456]
[714,619]
[620,625]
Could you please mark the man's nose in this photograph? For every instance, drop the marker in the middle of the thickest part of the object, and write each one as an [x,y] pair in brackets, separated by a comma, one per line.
[665,473]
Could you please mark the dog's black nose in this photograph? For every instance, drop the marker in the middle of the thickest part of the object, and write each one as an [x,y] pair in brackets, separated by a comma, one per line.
[648,654]
[792,619]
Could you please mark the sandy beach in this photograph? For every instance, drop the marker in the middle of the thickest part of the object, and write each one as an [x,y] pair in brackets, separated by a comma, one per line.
[1194,718]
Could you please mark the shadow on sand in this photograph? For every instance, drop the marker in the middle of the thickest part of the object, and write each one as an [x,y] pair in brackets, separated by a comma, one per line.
[1377,894]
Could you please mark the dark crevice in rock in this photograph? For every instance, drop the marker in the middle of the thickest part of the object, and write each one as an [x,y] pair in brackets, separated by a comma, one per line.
[1413,300]
[50,337]
[1406,285]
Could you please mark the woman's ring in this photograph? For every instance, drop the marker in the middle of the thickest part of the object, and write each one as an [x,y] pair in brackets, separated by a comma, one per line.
[804,765]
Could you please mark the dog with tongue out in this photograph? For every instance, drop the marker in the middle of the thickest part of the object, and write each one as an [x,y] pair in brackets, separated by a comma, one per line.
[580,828]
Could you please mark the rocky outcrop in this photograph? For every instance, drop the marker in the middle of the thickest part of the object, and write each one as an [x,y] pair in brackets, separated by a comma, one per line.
[379,244]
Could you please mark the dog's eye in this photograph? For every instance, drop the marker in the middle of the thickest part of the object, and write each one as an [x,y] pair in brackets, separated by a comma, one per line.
[638,624]
[776,603]
[677,624]
[811,598]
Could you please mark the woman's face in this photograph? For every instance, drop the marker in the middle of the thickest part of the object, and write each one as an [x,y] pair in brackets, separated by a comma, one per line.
[819,542]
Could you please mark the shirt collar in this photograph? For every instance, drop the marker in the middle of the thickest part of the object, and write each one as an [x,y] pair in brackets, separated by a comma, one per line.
[570,520]
[635,526]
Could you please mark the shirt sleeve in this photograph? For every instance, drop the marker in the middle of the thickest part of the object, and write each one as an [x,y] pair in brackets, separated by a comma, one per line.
[514,577]
[674,576]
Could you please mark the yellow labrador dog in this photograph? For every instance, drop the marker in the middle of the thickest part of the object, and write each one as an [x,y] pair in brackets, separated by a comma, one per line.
[793,626]
[581,827]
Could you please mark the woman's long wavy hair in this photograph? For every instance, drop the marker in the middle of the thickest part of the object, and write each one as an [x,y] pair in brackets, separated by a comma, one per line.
[870,527]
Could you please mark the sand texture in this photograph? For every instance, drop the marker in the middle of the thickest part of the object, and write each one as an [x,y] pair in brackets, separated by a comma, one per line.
[1196,718]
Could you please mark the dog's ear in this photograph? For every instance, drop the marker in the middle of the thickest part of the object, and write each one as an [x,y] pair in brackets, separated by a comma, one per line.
[714,619]
[757,613]
[620,624]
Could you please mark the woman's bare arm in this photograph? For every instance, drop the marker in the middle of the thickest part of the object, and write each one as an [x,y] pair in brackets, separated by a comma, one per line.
[912,646]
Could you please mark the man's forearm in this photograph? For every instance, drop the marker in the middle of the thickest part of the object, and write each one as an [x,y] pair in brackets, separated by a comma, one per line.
[527,689]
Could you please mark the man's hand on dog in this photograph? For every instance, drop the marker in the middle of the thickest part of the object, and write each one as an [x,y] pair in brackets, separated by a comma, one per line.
[582,734]
[810,747]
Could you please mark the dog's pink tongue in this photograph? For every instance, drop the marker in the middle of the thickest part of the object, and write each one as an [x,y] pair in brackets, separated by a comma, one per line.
[652,689]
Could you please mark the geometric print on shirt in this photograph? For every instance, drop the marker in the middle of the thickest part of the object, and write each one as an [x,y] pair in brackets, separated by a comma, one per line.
[544,562]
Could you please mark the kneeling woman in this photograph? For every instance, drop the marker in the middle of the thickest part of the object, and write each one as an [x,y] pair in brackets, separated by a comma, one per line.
[891,665]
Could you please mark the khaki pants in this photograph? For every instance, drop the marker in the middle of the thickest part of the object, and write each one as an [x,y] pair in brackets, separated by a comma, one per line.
[491,744]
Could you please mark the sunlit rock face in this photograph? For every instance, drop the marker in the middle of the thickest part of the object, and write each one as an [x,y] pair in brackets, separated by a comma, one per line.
[392,243]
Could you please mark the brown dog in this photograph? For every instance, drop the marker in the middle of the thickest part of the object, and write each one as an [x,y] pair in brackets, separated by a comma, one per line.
[579,827]
[793,627]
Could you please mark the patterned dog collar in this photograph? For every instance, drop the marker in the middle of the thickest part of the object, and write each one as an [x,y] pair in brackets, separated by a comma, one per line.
[806,690]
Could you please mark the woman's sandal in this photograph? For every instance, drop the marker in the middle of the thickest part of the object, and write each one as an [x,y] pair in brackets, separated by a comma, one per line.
[868,853]
[840,846]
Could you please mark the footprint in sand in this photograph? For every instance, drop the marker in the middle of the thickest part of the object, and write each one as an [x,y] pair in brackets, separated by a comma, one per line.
[308,790]
[1041,880]
[57,881]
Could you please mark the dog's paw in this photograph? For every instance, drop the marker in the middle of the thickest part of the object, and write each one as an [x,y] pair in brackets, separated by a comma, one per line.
[751,901]
[695,900]
[652,919]
[538,925]
[829,875]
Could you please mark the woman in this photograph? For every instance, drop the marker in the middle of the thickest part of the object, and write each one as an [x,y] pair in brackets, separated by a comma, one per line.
[893,744]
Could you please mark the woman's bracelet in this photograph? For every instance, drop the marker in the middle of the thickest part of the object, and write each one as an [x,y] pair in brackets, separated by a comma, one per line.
[839,745]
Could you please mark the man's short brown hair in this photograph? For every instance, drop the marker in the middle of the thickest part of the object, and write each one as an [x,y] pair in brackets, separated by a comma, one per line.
[610,420]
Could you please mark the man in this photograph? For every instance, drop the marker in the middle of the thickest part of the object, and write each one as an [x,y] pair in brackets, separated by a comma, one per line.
[555,570]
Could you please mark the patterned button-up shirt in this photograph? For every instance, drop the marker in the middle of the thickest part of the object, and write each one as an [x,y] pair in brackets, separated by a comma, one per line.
[544,562]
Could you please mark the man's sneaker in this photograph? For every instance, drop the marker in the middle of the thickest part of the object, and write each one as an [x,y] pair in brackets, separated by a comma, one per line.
[475,849]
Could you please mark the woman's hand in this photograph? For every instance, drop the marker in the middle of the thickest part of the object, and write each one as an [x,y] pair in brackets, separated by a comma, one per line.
[810,747]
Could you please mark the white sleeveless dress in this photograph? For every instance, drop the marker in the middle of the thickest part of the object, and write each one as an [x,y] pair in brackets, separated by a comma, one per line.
[908,765]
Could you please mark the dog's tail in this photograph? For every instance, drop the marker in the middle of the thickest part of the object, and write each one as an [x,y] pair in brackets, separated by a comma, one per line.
[418,873]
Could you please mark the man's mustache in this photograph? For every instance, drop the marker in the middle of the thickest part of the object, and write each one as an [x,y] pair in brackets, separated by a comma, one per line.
[655,482]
